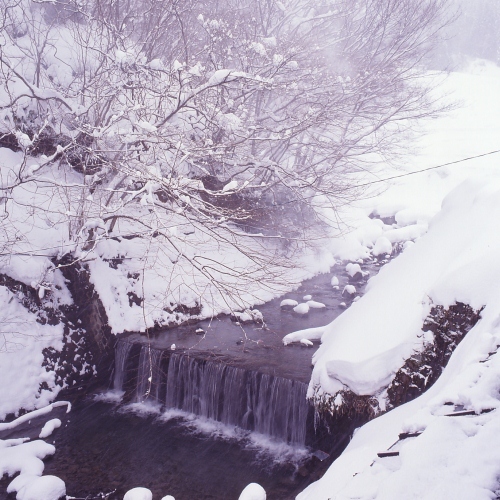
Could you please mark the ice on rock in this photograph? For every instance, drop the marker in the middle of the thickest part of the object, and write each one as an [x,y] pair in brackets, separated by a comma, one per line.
[289,303]
[307,297]
[253,491]
[302,308]
[138,494]
[382,246]
[335,281]
[306,342]
[315,305]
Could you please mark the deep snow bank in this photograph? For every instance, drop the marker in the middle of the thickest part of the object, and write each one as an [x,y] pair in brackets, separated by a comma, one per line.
[456,261]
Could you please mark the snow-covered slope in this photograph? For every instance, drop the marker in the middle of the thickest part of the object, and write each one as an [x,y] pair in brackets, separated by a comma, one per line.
[456,261]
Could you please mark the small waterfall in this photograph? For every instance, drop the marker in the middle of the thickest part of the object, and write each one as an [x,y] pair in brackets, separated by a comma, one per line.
[251,400]
[121,355]
[148,375]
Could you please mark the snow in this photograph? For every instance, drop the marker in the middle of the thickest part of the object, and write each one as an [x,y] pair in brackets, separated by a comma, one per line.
[454,261]
[451,215]
[382,246]
[315,305]
[302,308]
[49,428]
[335,281]
[22,340]
[253,491]
[288,303]
[230,186]
[33,414]
[353,269]
[309,333]
[23,457]
[349,290]
[306,342]
[138,494]
[38,488]
[307,297]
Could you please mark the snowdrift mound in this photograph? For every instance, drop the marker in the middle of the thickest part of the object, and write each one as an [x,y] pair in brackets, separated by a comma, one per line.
[442,444]
[455,262]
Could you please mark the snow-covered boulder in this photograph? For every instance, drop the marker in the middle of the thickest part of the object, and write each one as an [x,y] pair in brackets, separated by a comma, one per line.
[289,303]
[38,487]
[49,428]
[253,491]
[354,271]
[382,246]
[335,281]
[349,291]
[138,494]
[302,308]
[315,305]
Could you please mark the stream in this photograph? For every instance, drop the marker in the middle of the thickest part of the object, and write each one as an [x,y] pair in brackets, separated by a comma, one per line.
[223,409]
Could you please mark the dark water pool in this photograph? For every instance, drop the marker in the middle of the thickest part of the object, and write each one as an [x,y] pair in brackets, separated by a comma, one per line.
[100,449]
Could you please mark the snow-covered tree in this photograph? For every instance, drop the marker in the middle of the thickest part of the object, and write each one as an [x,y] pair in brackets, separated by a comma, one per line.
[242,120]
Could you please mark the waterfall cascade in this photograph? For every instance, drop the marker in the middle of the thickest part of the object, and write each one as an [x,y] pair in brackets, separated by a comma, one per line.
[251,400]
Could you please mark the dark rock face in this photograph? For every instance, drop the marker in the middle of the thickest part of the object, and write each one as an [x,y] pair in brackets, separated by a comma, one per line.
[335,419]
[86,360]
[74,365]
[421,370]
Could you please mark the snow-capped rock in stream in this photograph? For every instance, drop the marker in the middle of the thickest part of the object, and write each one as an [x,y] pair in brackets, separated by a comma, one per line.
[253,491]
[138,494]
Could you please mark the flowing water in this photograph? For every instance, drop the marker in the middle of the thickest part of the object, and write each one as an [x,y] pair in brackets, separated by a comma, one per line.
[226,408]
[251,400]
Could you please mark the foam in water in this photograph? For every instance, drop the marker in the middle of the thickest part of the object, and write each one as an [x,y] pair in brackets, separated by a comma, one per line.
[253,401]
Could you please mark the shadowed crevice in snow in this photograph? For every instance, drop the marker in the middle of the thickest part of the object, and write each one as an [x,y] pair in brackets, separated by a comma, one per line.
[449,326]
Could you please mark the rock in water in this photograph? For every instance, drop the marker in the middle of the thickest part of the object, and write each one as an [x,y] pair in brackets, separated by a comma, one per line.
[301,308]
[349,291]
[43,488]
[138,494]
[289,303]
[315,305]
[253,491]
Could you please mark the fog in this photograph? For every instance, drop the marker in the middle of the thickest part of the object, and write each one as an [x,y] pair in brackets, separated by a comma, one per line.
[474,34]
